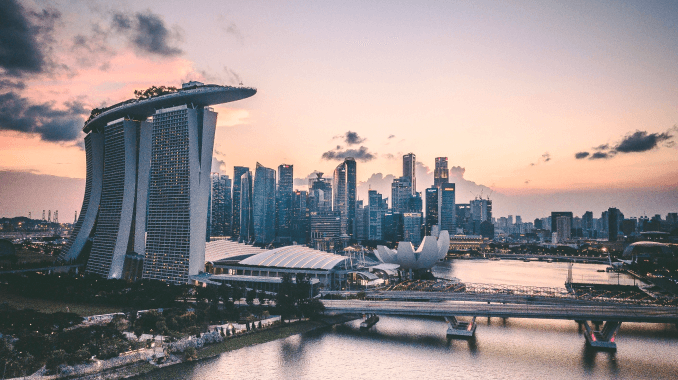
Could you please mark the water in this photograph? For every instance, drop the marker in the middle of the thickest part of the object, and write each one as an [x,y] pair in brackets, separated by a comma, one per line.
[399,348]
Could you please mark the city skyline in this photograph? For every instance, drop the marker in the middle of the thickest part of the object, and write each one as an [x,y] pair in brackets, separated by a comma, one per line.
[581,117]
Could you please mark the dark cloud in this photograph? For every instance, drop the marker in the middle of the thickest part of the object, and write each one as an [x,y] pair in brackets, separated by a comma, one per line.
[19,114]
[638,141]
[527,181]
[600,155]
[10,84]
[641,141]
[457,171]
[147,33]
[389,156]
[546,157]
[351,138]
[360,154]
[23,38]
[391,137]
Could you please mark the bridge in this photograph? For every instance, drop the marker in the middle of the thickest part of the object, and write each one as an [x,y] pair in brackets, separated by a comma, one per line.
[453,305]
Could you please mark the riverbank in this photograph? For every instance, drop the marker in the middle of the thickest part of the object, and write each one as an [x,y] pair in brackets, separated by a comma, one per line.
[233,343]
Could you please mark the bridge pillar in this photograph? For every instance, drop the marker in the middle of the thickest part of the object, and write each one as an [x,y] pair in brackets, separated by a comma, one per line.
[602,339]
[459,329]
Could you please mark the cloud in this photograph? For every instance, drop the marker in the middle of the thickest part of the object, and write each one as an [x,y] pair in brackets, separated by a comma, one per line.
[600,155]
[636,142]
[391,137]
[147,33]
[23,37]
[360,154]
[546,157]
[527,181]
[233,77]
[7,84]
[457,171]
[218,166]
[641,141]
[389,156]
[51,124]
[351,138]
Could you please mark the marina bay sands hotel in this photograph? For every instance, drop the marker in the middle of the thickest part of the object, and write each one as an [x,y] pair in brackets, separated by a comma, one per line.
[148,184]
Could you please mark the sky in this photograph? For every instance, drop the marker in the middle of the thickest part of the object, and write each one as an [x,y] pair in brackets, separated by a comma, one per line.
[543,106]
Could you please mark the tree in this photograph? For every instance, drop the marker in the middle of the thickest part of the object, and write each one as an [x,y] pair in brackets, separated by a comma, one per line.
[251,294]
[285,300]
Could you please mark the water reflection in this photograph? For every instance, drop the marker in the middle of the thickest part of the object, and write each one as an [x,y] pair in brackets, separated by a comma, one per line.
[419,348]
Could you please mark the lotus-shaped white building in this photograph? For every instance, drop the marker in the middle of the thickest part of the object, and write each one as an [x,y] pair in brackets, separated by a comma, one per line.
[428,253]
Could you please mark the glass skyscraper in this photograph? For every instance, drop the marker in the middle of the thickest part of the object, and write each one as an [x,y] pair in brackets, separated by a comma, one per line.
[263,205]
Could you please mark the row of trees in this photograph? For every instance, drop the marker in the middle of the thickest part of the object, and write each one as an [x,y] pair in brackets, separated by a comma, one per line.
[32,339]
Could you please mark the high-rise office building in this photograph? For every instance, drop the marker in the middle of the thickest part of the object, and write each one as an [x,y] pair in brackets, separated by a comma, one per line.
[415,204]
[263,205]
[440,174]
[431,210]
[284,202]
[554,219]
[344,194]
[320,194]
[246,234]
[301,217]
[148,185]
[409,167]
[615,218]
[412,227]
[401,192]
[375,213]
[563,228]
[220,213]
[446,209]
[238,171]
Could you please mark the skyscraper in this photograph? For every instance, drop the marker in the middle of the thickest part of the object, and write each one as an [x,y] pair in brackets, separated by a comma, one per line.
[284,202]
[221,205]
[401,192]
[148,183]
[614,221]
[431,209]
[246,234]
[301,217]
[263,205]
[374,215]
[344,194]
[440,174]
[409,167]
[554,220]
[238,171]
[320,194]
[447,211]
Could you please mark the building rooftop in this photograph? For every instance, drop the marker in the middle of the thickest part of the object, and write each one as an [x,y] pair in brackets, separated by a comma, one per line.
[295,256]
[194,93]
[227,249]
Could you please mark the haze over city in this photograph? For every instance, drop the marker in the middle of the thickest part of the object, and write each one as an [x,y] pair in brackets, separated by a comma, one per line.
[541,106]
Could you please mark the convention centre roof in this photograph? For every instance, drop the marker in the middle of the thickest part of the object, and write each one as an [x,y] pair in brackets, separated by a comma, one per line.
[295,256]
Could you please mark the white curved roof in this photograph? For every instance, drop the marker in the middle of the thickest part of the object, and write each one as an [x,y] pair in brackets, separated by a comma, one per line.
[430,251]
[223,249]
[295,256]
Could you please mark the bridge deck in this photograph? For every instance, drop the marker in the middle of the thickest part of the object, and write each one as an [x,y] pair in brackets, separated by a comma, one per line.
[617,313]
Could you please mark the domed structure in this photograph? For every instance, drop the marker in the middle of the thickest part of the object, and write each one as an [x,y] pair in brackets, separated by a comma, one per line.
[428,253]
[647,251]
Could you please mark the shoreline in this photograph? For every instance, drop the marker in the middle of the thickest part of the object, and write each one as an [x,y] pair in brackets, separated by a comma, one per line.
[251,338]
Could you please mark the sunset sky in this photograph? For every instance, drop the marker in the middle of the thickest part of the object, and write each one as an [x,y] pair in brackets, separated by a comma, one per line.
[569,105]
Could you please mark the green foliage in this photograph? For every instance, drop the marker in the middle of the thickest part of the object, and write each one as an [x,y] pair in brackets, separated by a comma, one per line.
[154,91]
[93,289]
